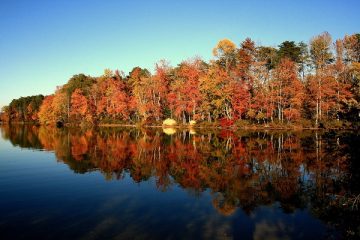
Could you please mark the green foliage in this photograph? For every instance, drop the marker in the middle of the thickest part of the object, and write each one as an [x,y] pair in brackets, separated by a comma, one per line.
[267,55]
[24,109]
[289,49]
[80,81]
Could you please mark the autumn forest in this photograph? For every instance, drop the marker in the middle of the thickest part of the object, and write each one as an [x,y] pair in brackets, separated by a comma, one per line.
[309,85]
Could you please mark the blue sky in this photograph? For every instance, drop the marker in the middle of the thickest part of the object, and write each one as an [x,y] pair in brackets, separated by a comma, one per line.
[44,43]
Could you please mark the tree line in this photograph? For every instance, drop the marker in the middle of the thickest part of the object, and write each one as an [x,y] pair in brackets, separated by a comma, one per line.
[316,82]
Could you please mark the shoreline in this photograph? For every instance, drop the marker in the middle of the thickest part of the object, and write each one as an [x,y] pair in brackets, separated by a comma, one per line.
[198,126]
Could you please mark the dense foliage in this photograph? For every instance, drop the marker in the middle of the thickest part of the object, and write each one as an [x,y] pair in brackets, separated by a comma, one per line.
[319,82]
[24,109]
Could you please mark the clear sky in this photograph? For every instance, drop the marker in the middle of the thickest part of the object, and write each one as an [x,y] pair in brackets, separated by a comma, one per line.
[44,43]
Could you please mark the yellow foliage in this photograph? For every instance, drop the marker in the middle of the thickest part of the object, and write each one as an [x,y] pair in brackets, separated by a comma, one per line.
[169,131]
[224,47]
[192,122]
[169,122]
[192,131]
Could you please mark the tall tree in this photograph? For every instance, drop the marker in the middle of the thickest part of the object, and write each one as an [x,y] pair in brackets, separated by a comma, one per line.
[79,105]
[225,51]
[184,96]
[46,112]
[304,59]
[242,86]
[288,90]
[320,50]
[216,94]
[343,94]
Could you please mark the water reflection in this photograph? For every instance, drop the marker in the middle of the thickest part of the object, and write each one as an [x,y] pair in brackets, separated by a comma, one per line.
[242,170]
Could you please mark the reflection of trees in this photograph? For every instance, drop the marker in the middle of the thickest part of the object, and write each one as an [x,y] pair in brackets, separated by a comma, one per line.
[240,169]
[25,136]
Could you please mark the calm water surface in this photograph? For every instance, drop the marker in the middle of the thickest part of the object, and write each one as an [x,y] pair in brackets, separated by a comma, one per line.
[155,184]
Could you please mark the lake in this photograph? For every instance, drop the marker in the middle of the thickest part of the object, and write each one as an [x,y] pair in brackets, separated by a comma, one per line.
[128,183]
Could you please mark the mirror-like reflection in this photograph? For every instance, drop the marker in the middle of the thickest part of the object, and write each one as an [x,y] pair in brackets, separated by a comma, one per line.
[242,171]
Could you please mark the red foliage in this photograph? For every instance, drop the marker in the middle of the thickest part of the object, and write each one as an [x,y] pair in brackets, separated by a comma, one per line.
[225,122]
